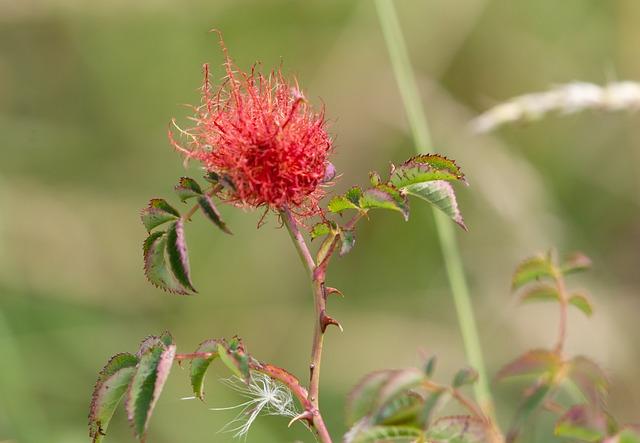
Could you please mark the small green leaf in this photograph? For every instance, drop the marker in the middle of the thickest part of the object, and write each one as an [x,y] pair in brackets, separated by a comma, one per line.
[354,194]
[532,363]
[385,197]
[146,386]
[187,188]
[200,365]
[155,266]
[374,178]
[584,423]
[430,366]
[350,200]
[465,376]
[439,162]
[541,292]
[440,194]
[576,262]
[532,269]
[418,171]
[229,361]
[178,255]
[400,381]
[348,242]
[320,229]
[361,398]
[206,205]
[388,434]
[582,302]
[157,212]
[402,410]
[108,392]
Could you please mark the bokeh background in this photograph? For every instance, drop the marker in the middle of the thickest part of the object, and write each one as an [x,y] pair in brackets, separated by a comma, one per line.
[86,93]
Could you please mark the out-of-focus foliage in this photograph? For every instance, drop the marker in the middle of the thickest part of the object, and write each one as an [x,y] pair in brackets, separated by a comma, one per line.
[86,94]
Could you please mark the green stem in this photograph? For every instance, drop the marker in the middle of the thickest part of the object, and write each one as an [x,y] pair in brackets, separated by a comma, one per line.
[446,234]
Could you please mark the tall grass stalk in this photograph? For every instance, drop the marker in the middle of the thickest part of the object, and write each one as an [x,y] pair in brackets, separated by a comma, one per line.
[445,229]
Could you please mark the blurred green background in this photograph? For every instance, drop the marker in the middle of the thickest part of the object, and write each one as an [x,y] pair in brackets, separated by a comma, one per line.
[86,93]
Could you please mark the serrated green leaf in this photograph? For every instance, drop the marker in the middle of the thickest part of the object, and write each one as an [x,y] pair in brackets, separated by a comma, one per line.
[146,386]
[209,208]
[439,162]
[576,262]
[157,212]
[340,203]
[465,376]
[320,229]
[187,188]
[360,399]
[402,410]
[155,264]
[457,429]
[110,387]
[584,423]
[348,239]
[200,365]
[411,173]
[532,269]
[385,197]
[388,434]
[582,302]
[440,194]
[177,253]
[536,363]
[353,195]
[541,292]
[229,361]
[590,378]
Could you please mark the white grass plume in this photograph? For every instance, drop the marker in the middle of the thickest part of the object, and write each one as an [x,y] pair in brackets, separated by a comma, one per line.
[264,396]
[564,99]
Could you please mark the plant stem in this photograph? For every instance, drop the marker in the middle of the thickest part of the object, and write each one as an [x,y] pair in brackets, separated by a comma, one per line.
[446,234]
[564,305]
[317,276]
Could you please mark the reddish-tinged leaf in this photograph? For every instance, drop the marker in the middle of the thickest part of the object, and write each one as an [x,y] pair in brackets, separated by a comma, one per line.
[533,363]
[421,169]
[458,428]
[582,302]
[402,410]
[385,197]
[187,188]
[590,378]
[399,381]
[108,392]
[157,212]
[146,386]
[583,422]
[576,262]
[177,253]
[532,269]
[439,162]
[209,208]
[155,265]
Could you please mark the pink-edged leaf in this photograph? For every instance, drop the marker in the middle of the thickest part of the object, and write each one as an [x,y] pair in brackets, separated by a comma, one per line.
[200,365]
[582,302]
[155,264]
[146,385]
[540,292]
[157,212]
[532,269]
[209,209]
[440,194]
[178,255]
[385,196]
[583,422]
[438,161]
[360,399]
[532,363]
[109,389]
[424,168]
[590,378]
[400,381]
[576,262]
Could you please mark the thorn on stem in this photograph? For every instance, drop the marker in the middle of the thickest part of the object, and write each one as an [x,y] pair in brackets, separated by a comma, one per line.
[326,320]
[306,415]
[330,291]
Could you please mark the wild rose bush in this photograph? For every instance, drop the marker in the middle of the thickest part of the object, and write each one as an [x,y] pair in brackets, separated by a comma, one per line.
[263,147]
